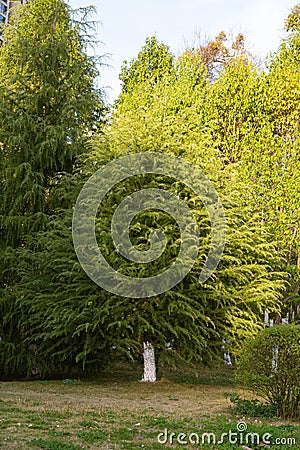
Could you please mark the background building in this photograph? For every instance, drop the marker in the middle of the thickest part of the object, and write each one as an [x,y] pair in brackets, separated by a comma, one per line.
[6,7]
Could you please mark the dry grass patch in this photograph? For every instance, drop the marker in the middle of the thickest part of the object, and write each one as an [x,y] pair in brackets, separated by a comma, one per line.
[113,412]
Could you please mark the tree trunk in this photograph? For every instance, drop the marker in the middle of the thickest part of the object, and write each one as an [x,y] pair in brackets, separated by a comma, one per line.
[149,363]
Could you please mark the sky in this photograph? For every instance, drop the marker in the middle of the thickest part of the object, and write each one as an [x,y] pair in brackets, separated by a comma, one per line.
[124,26]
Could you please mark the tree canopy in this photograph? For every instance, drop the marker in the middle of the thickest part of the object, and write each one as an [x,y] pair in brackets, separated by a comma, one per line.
[212,107]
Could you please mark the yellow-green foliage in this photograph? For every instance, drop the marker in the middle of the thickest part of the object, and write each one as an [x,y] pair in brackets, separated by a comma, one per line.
[270,367]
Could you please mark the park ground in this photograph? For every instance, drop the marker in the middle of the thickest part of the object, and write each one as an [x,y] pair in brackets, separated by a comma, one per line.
[117,411]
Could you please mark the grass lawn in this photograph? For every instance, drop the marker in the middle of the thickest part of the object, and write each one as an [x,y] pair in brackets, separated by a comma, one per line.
[119,412]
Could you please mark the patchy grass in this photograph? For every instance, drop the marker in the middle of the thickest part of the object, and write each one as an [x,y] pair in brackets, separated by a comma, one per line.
[119,412]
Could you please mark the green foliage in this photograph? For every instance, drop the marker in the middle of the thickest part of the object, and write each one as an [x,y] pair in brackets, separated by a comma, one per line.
[48,107]
[270,367]
[234,108]
[252,408]
[51,305]
[67,321]
[254,120]
[211,106]
[171,115]
[48,103]
[153,61]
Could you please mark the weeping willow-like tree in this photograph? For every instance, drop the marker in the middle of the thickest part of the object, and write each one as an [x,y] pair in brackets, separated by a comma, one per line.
[48,106]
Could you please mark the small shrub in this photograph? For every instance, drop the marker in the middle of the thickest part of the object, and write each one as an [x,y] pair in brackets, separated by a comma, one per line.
[253,408]
[270,367]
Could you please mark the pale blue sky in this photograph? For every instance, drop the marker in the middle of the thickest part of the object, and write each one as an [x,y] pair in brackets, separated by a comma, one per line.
[126,24]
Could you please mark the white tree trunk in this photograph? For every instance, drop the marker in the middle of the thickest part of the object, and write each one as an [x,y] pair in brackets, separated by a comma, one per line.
[227,357]
[267,318]
[149,363]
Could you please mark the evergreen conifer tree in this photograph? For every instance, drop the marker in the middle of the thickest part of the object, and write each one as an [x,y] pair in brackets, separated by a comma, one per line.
[48,106]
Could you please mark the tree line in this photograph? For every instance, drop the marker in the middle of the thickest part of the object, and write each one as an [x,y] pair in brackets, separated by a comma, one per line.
[213,106]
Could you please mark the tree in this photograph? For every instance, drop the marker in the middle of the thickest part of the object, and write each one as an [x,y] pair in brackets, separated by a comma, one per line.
[171,116]
[216,54]
[255,122]
[48,103]
[67,319]
[48,106]
[153,61]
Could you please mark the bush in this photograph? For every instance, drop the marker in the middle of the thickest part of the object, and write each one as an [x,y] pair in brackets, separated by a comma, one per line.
[253,408]
[270,367]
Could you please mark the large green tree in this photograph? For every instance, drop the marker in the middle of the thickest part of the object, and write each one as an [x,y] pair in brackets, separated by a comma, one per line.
[48,106]
[66,319]
[172,116]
